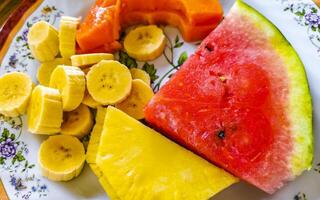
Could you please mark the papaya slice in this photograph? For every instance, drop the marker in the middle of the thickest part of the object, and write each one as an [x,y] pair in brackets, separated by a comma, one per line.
[200,12]
[189,32]
[100,29]
[101,25]
[106,48]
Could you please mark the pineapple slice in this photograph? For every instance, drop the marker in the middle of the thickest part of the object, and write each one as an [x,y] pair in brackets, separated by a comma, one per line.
[92,152]
[139,163]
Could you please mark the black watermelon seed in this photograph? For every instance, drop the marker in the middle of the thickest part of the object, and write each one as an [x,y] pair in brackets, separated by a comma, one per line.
[221,134]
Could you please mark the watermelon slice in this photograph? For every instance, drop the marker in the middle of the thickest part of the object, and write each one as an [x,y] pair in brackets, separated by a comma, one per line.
[241,101]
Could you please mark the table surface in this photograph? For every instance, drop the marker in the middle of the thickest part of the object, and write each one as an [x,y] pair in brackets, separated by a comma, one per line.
[7,7]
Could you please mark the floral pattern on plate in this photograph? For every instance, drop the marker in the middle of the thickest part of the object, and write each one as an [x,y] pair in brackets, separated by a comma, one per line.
[307,15]
[13,151]
[20,58]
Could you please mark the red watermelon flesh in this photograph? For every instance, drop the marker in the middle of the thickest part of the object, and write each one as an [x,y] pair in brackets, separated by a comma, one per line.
[235,102]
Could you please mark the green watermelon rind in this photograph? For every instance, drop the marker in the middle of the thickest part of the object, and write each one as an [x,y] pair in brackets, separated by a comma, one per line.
[300,104]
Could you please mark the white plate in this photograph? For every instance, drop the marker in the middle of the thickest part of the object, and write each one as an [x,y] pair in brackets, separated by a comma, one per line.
[22,179]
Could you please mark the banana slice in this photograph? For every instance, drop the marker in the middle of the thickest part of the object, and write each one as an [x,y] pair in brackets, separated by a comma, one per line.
[70,81]
[109,82]
[15,91]
[84,60]
[78,122]
[43,41]
[44,111]
[140,95]
[87,99]
[140,74]
[46,68]
[67,36]
[61,157]
[145,43]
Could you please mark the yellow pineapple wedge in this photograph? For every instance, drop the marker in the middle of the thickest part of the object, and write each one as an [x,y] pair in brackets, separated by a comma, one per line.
[92,153]
[140,163]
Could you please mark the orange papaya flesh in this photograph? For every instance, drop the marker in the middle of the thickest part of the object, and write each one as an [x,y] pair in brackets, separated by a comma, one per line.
[116,20]
[106,48]
[199,12]
[101,25]
[189,32]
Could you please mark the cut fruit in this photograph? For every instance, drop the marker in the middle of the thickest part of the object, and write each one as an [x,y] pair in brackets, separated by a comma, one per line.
[109,82]
[100,26]
[104,182]
[78,122]
[43,41]
[108,188]
[61,157]
[106,48]
[140,74]
[140,163]
[87,98]
[70,81]
[140,95]
[95,135]
[96,170]
[15,92]
[89,101]
[67,36]
[145,43]
[189,32]
[100,30]
[232,86]
[193,12]
[85,60]
[46,68]
[194,19]
[92,153]
[44,111]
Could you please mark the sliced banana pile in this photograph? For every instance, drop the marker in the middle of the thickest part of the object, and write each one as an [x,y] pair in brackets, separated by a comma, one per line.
[70,88]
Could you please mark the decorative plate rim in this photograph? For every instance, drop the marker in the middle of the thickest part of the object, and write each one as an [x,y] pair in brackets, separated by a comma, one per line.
[14,22]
